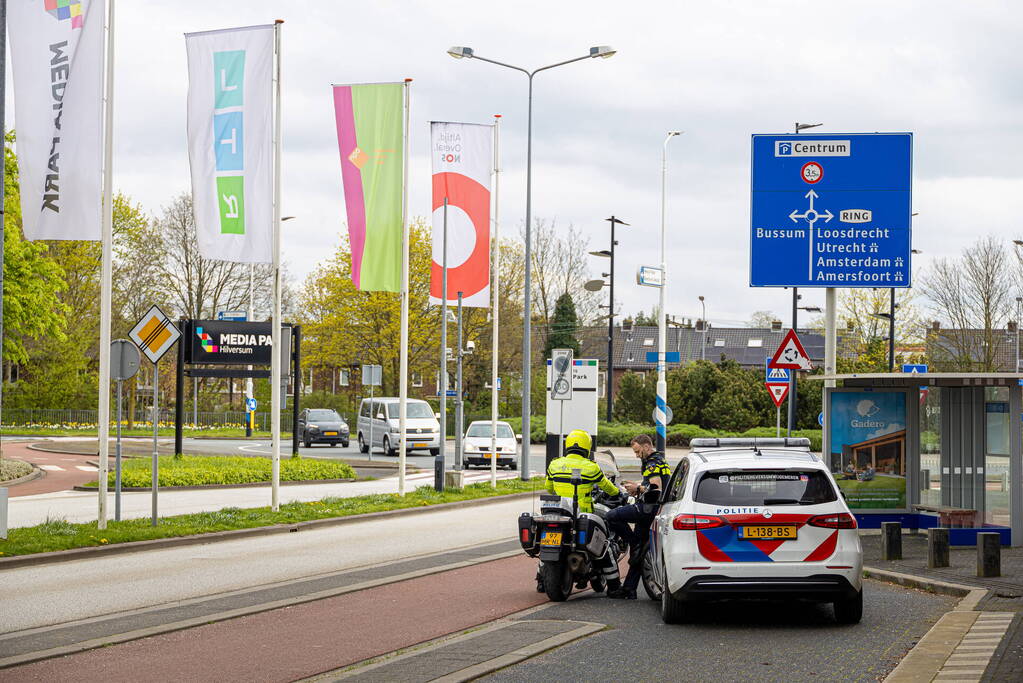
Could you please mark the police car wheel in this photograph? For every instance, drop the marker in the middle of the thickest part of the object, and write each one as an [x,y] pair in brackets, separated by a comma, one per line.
[672,611]
[653,591]
[849,611]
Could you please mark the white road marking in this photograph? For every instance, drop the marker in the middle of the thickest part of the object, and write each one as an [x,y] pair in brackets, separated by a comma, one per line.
[87,468]
[51,468]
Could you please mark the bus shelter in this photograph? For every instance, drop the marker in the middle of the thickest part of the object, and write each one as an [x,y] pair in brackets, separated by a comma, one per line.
[929,449]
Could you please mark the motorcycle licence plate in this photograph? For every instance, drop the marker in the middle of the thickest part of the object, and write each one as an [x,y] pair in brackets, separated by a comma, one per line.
[551,538]
[768,533]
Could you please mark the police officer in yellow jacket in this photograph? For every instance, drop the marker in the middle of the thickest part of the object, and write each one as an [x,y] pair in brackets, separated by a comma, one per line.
[579,456]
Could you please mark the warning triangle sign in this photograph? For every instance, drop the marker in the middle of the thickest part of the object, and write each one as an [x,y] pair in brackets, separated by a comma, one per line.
[778,392]
[790,354]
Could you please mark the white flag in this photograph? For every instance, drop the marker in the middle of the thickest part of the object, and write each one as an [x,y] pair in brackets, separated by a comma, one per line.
[230,141]
[57,57]
[463,158]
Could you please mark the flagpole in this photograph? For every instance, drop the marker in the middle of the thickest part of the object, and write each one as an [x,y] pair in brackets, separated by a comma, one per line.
[403,381]
[275,358]
[495,312]
[3,188]
[106,275]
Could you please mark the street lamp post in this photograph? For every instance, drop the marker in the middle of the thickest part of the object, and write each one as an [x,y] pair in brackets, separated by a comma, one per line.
[1019,314]
[703,319]
[610,254]
[458,52]
[661,409]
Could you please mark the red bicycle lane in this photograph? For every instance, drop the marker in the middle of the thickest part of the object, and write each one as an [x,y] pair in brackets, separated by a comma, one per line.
[310,638]
[61,471]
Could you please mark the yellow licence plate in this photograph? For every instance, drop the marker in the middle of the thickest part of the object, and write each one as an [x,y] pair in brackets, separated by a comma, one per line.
[551,538]
[330,433]
[771,533]
[420,445]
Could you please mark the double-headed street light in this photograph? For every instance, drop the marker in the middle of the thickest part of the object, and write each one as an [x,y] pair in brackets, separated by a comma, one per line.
[593,286]
[459,52]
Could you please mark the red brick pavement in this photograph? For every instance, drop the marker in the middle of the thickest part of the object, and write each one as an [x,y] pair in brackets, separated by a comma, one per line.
[52,480]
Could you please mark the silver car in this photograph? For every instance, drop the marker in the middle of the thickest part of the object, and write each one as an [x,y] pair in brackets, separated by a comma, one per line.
[378,426]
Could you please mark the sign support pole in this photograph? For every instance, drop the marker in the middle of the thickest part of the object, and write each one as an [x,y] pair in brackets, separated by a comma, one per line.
[106,275]
[459,408]
[496,308]
[792,373]
[156,432]
[372,413]
[117,459]
[777,421]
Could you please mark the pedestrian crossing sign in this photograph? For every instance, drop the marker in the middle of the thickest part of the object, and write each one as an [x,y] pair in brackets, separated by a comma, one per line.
[774,375]
[154,334]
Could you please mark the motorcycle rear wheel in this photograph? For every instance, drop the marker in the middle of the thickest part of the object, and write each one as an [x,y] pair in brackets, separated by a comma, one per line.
[557,580]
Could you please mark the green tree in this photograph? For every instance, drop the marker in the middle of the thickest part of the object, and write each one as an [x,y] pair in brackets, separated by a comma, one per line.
[564,326]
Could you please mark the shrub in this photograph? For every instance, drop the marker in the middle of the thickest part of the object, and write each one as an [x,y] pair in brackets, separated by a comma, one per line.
[201,470]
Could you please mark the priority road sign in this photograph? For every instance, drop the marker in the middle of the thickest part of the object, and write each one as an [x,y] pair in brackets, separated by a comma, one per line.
[778,392]
[831,210]
[154,334]
[790,354]
[774,375]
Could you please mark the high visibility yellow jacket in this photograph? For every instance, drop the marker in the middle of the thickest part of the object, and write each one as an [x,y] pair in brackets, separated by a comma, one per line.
[559,479]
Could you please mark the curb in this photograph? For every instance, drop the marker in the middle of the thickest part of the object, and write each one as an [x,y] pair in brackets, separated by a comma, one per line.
[971,595]
[58,556]
[36,473]
[204,487]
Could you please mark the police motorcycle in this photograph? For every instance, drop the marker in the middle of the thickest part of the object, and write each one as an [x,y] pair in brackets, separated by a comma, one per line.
[568,542]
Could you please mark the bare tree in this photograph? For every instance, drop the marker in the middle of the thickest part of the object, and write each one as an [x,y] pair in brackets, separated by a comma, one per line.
[974,295]
[561,266]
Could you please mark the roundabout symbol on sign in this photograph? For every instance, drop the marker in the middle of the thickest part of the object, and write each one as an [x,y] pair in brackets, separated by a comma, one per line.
[811,172]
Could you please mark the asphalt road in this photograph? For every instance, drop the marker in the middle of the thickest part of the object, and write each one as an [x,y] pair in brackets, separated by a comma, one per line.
[736,641]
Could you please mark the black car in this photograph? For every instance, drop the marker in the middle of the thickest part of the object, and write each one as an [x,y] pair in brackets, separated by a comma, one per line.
[322,425]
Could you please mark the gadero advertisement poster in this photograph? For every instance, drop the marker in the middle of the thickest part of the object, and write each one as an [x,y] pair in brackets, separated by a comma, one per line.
[868,448]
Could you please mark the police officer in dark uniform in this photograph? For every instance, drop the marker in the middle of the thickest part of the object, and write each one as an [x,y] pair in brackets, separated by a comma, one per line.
[655,476]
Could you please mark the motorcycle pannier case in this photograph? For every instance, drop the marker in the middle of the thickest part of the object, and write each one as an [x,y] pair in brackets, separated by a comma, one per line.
[592,534]
[527,534]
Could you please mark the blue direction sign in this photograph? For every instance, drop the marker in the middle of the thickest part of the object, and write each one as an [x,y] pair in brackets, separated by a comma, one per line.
[669,357]
[914,367]
[774,375]
[831,210]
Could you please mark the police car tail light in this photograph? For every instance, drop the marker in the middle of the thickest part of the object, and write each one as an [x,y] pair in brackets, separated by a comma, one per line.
[842,520]
[696,522]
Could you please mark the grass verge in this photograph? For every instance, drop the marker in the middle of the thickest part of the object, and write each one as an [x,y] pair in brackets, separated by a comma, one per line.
[198,470]
[59,534]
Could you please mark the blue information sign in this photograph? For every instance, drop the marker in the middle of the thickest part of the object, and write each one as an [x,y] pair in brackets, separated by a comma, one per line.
[831,210]
[914,367]
[669,357]
[775,375]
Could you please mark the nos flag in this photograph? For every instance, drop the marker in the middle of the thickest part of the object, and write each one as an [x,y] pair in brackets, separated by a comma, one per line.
[57,55]
[463,156]
[230,141]
[370,138]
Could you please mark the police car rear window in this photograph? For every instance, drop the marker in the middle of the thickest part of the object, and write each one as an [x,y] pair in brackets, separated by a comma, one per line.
[765,487]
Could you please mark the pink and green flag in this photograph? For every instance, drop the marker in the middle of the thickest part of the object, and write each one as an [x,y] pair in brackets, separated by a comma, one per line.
[369,135]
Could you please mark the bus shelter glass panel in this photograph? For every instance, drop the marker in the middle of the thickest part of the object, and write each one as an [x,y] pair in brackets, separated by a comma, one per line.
[930,446]
[996,457]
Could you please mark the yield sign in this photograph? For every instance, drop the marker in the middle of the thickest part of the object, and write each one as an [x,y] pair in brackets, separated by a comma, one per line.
[778,392]
[790,354]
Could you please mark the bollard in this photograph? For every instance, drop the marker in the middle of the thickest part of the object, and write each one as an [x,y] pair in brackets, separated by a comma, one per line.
[937,548]
[989,554]
[891,540]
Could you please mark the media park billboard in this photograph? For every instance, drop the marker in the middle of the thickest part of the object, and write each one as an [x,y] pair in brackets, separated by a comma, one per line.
[227,342]
[831,210]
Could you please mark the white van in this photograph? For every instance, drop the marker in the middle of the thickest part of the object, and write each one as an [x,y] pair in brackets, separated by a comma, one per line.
[378,426]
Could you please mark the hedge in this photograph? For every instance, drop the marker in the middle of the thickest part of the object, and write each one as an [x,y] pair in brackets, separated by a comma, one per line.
[199,470]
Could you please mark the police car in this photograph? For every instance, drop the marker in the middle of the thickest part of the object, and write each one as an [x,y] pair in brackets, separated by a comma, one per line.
[753,518]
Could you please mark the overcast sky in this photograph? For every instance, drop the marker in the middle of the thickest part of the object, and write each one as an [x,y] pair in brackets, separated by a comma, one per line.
[947,71]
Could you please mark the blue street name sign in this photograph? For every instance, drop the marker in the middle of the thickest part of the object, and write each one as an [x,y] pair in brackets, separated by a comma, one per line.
[669,357]
[239,316]
[775,375]
[451,392]
[831,210]
[914,367]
